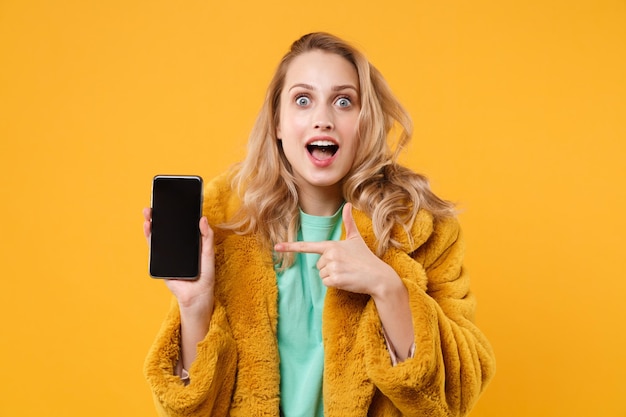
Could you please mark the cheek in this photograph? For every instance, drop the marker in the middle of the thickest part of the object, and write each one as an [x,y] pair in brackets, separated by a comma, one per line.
[292,125]
[353,142]
[349,131]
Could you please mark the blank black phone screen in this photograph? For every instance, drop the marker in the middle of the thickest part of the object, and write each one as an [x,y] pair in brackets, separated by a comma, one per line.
[175,238]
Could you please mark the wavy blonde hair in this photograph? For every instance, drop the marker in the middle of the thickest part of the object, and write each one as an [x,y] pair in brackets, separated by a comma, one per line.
[376,184]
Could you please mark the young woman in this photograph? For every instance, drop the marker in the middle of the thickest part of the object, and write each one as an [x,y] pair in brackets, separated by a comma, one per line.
[331,277]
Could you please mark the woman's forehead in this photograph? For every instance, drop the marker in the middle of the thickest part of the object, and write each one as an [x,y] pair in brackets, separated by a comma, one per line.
[321,70]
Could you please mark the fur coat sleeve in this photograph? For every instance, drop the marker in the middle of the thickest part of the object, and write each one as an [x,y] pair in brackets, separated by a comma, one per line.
[209,391]
[212,381]
[453,361]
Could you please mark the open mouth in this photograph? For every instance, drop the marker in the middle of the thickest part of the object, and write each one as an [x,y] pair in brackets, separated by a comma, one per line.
[322,149]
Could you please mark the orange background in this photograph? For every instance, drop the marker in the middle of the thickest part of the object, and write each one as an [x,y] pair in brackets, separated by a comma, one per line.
[520,111]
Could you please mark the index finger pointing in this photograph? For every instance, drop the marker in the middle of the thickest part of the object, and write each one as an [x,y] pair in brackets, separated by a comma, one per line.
[303,247]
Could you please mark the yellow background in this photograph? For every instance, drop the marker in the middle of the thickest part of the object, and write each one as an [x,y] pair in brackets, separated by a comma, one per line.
[520,112]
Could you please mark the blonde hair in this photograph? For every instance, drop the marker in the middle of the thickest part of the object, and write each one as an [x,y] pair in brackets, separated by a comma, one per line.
[376,184]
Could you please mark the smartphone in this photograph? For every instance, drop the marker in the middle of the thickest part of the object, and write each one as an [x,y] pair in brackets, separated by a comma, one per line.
[175,238]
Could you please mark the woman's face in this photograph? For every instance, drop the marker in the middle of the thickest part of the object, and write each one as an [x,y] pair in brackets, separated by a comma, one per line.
[319,110]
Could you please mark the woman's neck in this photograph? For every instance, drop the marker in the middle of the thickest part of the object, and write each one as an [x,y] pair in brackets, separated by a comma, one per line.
[320,201]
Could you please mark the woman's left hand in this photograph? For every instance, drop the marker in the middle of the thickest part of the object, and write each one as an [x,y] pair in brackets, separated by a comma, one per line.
[347,264]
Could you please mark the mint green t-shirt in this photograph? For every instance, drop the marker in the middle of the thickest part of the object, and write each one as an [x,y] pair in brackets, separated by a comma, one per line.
[300,304]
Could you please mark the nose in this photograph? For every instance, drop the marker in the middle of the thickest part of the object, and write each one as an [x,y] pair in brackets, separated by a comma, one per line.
[324,125]
[322,119]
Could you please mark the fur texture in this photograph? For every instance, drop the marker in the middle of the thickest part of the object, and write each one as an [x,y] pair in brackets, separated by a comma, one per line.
[236,372]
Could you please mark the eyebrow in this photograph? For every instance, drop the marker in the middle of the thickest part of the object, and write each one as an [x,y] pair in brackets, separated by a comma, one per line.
[335,88]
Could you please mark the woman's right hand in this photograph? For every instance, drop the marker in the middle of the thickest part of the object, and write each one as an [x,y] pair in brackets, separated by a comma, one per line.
[192,294]
[195,297]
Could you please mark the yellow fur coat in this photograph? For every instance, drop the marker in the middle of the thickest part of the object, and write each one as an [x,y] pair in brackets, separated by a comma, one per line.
[236,372]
